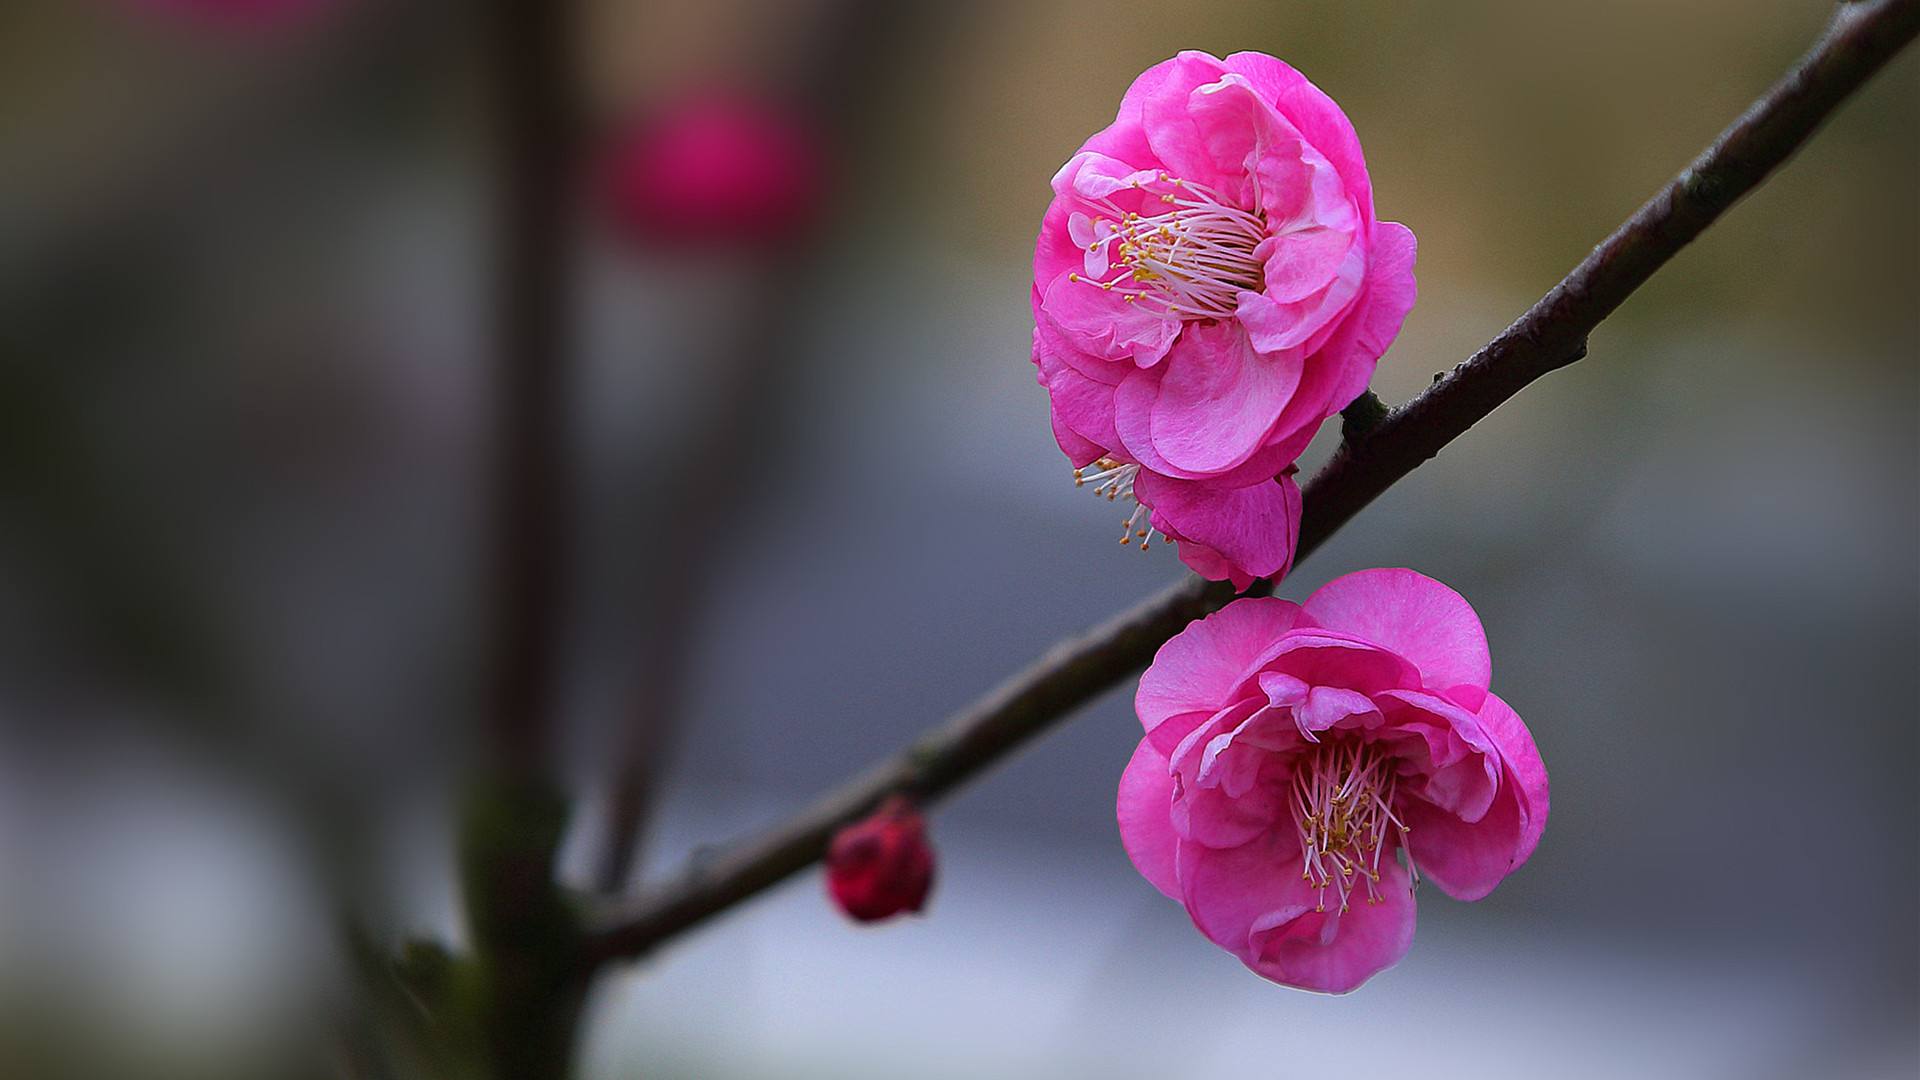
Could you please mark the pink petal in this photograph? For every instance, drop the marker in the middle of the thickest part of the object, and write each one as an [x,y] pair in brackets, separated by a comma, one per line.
[1465,859]
[1133,405]
[1078,450]
[1092,175]
[1169,734]
[1355,349]
[1245,138]
[1525,773]
[1298,265]
[1415,616]
[1146,796]
[1334,952]
[1331,658]
[1081,405]
[1275,327]
[1057,346]
[1228,890]
[1460,768]
[1171,131]
[1324,707]
[1126,137]
[1313,114]
[1206,812]
[1253,528]
[1198,668]
[1213,566]
[1219,399]
[1054,252]
[1102,323]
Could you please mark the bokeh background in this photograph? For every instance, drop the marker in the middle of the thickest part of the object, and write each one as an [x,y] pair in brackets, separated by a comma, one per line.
[243,269]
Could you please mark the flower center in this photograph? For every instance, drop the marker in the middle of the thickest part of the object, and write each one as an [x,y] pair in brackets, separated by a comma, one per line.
[1343,806]
[1115,481]
[1193,259]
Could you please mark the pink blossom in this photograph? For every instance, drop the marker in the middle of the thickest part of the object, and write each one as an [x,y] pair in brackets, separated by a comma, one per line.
[715,168]
[1209,285]
[1292,749]
[881,865]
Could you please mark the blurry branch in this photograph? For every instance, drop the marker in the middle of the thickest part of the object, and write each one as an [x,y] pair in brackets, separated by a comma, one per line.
[706,485]
[703,496]
[524,999]
[1550,335]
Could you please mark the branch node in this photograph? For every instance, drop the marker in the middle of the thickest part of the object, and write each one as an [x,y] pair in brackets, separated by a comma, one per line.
[1361,416]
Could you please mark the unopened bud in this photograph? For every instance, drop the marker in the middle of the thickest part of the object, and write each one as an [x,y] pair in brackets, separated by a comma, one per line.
[881,865]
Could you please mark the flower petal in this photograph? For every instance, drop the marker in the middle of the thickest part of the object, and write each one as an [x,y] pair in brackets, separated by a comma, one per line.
[1101,322]
[1457,765]
[1133,404]
[1334,952]
[1228,890]
[1253,528]
[1082,405]
[1206,811]
[1415,616]
[1314,115]
[1253,145]
[1170,128]
[1276,327]
[1200,667]
[1146,831]
[1297,265]
[1331,658]
[1355,349]
[1467,859]
[1525,772]
[1219,398]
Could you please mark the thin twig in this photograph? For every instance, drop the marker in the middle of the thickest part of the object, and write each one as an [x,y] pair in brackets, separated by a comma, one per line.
[706,489]
[1552,334]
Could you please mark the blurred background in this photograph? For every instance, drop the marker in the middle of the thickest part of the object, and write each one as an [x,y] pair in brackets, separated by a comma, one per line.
[243,288]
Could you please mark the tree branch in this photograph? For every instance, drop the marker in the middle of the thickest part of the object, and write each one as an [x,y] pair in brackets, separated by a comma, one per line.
[523,1001]
[1551,334]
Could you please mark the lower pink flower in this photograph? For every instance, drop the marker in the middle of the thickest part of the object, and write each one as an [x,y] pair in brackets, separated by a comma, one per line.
[1306,765]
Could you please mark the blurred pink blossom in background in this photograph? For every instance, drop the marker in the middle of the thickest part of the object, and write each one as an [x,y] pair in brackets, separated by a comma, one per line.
[1209,285]
[717,167]
[1292,748]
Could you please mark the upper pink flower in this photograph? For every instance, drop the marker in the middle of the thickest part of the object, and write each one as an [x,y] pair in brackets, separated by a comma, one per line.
[1209,285]
[717,168]
[1294,752]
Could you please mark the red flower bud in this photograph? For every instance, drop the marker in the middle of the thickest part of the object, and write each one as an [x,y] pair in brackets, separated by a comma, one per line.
[882,865]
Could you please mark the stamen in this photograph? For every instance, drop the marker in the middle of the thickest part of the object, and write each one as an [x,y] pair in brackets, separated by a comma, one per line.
[1343,799]
[1193,259]
[1113,481]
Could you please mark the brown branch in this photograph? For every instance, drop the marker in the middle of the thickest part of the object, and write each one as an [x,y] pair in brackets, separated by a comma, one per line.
[524,997]
[1552,334]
